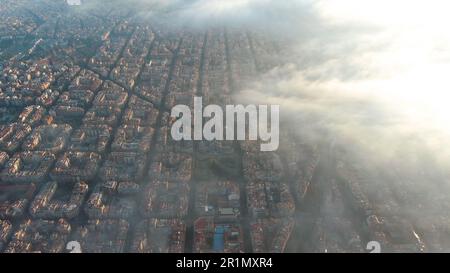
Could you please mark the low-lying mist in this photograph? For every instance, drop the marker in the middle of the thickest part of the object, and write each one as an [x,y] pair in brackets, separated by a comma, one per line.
[369,77]
[372,74]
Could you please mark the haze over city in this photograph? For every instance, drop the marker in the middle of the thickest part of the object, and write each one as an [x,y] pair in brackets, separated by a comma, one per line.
[86,154]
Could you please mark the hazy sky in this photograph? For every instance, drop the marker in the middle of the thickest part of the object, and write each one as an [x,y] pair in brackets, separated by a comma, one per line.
[375,71]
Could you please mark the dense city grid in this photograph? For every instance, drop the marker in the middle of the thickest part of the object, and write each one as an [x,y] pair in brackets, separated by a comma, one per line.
[86,153]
